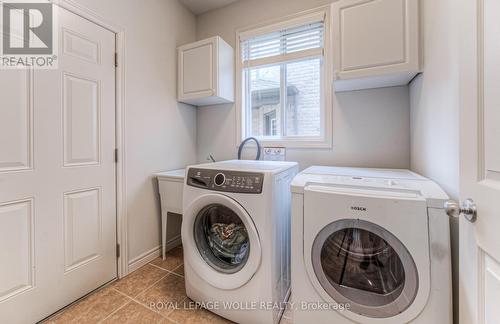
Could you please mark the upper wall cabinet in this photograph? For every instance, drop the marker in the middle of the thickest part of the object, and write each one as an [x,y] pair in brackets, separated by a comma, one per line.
[376,43]
[206,72]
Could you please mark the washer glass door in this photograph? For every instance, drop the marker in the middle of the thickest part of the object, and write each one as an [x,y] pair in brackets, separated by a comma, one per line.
[362,264]
[221,238]
[221,242]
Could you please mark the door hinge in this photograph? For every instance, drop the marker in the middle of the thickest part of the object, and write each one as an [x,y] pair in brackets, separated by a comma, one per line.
[116,155]
[117,250]
[116,59]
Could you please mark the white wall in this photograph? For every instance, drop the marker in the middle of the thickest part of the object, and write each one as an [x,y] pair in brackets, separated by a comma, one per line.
[160,133]
[362,119]
[434,100]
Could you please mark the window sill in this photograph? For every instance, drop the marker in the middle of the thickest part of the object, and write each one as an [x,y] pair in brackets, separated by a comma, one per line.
[292,144]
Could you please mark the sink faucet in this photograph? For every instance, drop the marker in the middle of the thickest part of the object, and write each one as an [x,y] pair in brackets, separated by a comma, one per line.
[210,158]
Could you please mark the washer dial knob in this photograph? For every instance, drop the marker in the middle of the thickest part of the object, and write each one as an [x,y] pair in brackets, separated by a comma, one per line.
[219,179]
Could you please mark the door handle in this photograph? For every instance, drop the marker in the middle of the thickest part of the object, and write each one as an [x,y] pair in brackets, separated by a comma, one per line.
[467,208]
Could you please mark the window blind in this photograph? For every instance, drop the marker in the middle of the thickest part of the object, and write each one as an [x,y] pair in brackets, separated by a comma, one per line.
[284,44]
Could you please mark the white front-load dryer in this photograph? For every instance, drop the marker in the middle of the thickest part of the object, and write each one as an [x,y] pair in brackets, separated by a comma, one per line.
[369,246]
[236,238]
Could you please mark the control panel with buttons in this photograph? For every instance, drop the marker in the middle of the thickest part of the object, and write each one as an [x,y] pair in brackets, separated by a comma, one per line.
[226,181]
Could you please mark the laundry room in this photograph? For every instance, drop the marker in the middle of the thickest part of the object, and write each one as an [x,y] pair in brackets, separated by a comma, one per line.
[249,161]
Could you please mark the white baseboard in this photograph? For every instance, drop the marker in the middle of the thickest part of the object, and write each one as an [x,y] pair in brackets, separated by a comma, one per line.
[143,259]
[152,254]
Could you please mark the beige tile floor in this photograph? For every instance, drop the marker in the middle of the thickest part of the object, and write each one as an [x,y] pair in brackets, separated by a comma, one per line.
[145,296]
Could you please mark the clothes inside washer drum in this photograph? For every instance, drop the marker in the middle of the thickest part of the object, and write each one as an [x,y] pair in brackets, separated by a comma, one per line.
[228,242]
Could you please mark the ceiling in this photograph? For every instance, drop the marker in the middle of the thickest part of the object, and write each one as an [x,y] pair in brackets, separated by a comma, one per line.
[200,6]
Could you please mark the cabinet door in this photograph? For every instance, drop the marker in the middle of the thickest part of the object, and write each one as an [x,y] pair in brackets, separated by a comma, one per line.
[197,70]
[375,37]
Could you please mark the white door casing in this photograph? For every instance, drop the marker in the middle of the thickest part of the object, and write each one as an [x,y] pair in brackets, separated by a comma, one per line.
[57,175]
[480,160]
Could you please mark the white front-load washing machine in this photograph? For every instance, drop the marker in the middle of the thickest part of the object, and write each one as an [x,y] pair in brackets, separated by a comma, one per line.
[369,246]
[236,238]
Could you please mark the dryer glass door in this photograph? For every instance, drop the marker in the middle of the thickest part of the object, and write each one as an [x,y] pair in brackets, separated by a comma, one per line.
[222,238]
[362,264]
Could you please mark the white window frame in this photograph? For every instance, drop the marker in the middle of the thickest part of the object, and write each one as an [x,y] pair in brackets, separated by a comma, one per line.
[325,138]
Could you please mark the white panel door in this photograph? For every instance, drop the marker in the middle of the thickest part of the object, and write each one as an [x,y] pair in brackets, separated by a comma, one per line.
[57,175]
[16,127]
[479,34]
